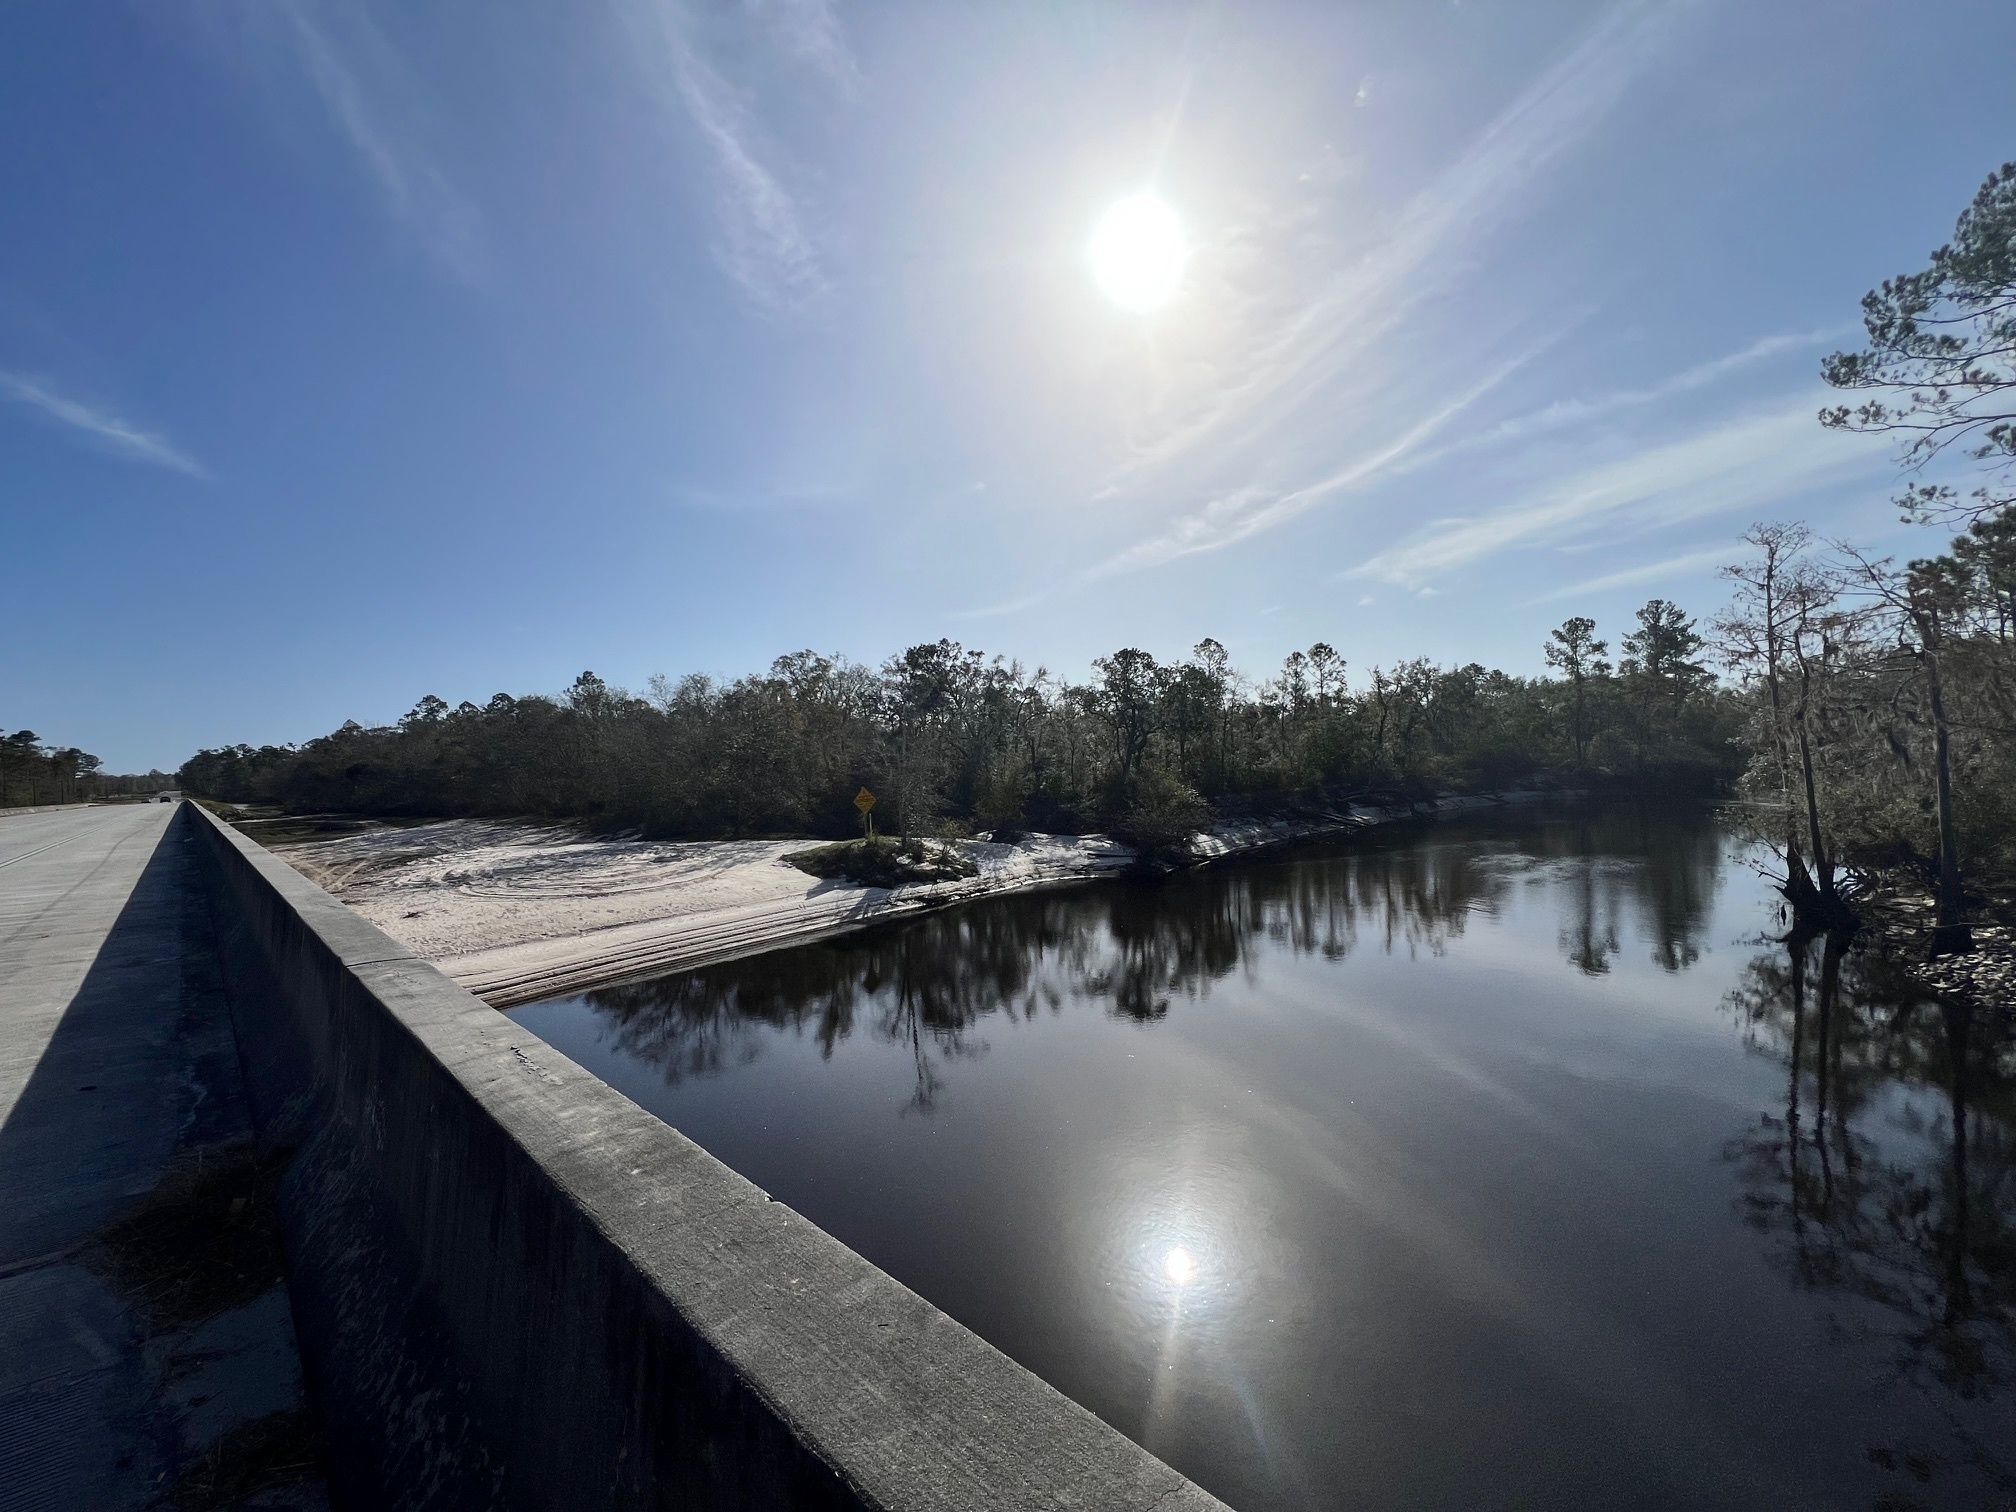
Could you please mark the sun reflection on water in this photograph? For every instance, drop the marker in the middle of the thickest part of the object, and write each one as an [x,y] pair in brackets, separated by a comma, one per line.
[1174,1268]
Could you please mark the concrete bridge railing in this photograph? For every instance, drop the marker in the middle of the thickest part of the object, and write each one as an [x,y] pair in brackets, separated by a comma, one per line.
[515,1288]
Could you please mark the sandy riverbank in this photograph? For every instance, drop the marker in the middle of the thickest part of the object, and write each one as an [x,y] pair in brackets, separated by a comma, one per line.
[517,912]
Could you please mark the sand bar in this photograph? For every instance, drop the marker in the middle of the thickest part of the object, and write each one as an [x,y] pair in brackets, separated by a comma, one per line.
[520,912]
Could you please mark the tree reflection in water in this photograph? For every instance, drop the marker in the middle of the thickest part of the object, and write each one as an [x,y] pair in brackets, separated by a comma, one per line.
[1891,1178]
[928,983]
[1646,863]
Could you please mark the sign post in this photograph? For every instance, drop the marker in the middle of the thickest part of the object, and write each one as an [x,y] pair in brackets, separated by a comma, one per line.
[865,802]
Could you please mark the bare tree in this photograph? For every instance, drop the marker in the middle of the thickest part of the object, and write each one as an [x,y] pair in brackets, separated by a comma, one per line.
[1781,630]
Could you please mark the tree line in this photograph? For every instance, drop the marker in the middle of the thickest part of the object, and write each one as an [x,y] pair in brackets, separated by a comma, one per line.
[953,740]
[32,774]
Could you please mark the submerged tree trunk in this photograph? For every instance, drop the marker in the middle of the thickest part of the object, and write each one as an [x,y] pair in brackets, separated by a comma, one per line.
[1950,934]
[1814,896]
[1795,865]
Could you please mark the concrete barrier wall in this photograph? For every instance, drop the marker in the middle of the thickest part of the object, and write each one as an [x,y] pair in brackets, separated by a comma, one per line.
[516,1288]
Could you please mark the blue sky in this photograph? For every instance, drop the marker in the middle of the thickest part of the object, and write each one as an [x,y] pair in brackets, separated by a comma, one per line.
[352,352]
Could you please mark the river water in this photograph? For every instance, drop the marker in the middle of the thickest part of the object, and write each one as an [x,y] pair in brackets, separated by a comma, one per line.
[1501,1162]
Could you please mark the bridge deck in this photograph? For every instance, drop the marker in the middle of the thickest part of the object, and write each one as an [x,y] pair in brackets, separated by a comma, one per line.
[146,1344]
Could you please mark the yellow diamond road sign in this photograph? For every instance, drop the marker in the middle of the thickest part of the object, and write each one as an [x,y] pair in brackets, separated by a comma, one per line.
[864,800]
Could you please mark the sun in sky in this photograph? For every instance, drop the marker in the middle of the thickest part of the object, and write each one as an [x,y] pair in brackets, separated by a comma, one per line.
[1137,252]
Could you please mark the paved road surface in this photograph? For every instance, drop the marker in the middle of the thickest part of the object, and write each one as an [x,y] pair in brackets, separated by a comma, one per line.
[117,1067]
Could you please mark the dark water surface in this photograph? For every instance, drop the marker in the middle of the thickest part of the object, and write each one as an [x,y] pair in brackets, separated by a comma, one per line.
[1499,1163]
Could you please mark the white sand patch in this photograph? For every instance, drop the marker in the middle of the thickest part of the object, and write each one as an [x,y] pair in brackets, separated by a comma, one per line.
[520,912]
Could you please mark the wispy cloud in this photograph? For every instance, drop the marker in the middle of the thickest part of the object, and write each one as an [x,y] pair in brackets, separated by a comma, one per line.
[1746,462]
[1567,413]
[1310,345]
[363,85]
[810,31]
[766,250]
[99,426]
[764,244]
[1245,512]
[1353,349]
[1671,567]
